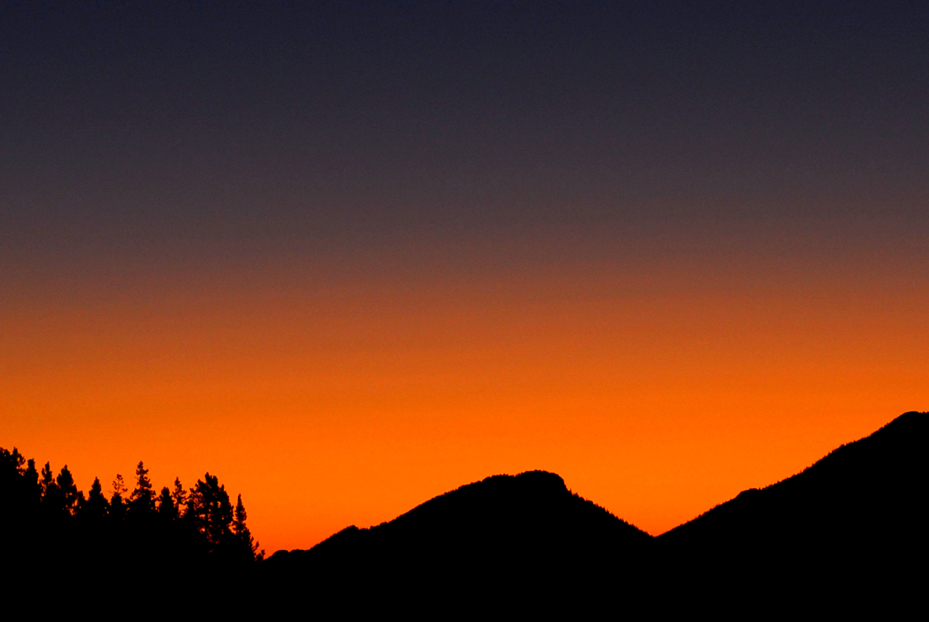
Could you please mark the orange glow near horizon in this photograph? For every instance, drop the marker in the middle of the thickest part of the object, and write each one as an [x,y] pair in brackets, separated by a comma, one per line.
[655,391]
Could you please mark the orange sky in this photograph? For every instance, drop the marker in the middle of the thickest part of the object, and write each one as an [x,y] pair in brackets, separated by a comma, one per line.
[658,378]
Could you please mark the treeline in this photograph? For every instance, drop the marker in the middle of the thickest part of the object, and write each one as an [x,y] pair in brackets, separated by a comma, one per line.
[48,522]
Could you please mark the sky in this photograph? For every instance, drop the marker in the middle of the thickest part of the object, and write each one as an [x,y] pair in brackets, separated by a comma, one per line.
[349,256]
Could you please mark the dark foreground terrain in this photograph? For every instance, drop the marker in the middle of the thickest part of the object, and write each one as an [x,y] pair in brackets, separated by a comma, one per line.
[849,530]
[847,533]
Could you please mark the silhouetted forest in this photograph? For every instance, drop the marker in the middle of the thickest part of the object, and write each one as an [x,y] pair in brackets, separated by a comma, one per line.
[848,531]
[170,538]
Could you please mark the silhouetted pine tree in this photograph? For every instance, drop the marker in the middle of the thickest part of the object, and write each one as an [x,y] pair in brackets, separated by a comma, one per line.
[166,508]
[119,486]
[142,500]
[95,507]
[53,502]
[11,465]
[47,479]
[70,495]
[31,483]
[21,516]
[211,511]
[179,496]
[18,485]
[245,542]
[117,504]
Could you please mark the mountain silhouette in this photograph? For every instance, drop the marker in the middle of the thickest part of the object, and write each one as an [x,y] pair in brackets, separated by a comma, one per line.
[846,533]
[850,523]
[517,535]
[876,483]
[847,529]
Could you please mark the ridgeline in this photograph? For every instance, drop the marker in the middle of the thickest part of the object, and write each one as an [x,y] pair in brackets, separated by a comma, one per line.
[848,529]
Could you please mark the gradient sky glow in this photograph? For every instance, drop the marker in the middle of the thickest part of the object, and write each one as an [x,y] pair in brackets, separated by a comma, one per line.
[350,256]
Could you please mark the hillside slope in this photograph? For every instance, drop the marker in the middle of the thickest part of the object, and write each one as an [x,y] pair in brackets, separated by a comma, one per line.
[512,533]
[856,518]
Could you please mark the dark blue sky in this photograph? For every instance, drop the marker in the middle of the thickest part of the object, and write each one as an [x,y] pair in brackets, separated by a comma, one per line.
[166,120]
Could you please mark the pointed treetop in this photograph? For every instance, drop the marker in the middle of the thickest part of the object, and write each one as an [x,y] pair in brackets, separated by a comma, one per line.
[47,478]
[119,486]
[238,524]
[71,496]
[179,495]
[143,497]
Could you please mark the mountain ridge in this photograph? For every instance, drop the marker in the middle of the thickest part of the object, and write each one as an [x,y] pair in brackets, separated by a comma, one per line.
[894,446]
[503,516]
[848,523]
[850,527]
[909,419]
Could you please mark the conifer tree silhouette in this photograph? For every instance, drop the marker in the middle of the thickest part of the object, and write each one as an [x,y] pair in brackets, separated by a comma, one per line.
[142,500]
[47,480]
[96,506]
[119,486]
[246,543]
[17,488]
[179,496]
[11,466]
[166,507]
[11,462]
[212,511]
[70,495]
[31,482]
[117,505]
[53,500]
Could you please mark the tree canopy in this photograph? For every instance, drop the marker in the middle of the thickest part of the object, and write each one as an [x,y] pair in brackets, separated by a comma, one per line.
[55,522]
